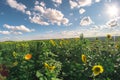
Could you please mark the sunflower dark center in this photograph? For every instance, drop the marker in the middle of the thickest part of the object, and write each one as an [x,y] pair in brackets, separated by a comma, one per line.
[97,69]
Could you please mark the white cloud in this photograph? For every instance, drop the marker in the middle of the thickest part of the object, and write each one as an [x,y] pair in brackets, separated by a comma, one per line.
[41,15]
[42,4]
[97,0]
[100,27]
[86,21]
[83,3]
[79,3]
[18,28]
[19,6]
[28,13]
[5,32]
[10,32]
[36,2]
[39,8]
[48,15]
[55,16]
[81,11]
[112,23]
[73,4]
[37,19]
[57,2]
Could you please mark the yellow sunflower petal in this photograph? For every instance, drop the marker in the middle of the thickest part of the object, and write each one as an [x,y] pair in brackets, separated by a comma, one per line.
[109,36]
[97,69]
[51,68]
[46,65]
[28,56]
[84,58]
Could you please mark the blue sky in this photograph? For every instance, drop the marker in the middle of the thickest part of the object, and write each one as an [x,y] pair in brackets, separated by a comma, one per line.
[49,19]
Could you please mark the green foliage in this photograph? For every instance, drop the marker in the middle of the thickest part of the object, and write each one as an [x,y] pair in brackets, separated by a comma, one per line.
[60,59]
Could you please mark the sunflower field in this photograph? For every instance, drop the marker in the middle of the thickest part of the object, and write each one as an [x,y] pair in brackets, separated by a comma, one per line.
[61,59]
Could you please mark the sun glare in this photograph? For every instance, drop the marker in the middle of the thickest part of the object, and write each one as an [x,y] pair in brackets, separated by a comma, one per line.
[112,11]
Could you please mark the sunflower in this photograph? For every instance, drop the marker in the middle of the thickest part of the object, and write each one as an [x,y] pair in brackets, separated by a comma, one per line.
[97,69]
[61,43]
[53,42]
[109,36]
[28,56]
[116,46]
[51,68]
[46,65]
[84,58]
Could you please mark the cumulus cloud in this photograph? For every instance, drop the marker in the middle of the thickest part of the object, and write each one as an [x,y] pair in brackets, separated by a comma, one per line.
[83,3]
[14,4]
[57,2]
[39,8]
[41,15]
[73,4]
[45,16]
[37,19]
[55,16]
[97,0]
[86,21]
[112,23]
[18,28]
[42,4]
[5,32]
[18,6]
[79,3]
[36,2]
[81,11]
[10,32]
[28,13]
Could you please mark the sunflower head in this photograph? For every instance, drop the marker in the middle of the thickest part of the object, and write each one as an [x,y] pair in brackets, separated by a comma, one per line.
[46,65]
[109,36]
[61,43]
[52,42]
[51,68]
[116,46]
[97,69]
[28,56]
[84,58]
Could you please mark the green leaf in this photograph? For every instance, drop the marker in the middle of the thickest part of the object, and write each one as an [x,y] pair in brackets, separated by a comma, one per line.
[38,74]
